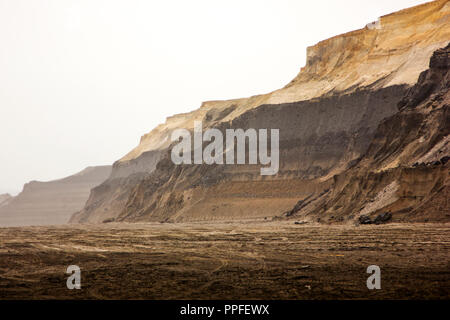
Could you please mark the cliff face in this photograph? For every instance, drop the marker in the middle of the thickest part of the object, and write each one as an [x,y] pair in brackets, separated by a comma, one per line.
[405,171]
[327,118]
[394,54]
[53,202]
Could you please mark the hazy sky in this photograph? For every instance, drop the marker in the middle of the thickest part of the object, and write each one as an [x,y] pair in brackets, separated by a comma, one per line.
[81,81]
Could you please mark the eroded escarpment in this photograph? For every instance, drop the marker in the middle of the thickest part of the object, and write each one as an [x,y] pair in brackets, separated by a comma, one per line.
[394,54]
[317,138]
[327,116]
[405,171]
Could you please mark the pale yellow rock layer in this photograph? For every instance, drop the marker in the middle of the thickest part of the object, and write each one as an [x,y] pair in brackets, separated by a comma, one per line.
[394,53]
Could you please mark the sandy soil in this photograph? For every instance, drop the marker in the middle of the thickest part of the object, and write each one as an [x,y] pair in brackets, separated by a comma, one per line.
[246,260]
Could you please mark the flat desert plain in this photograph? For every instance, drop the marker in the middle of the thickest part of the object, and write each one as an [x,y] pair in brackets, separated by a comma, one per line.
[235,260]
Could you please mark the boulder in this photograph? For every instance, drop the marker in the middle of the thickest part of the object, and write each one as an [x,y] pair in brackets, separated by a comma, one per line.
[364,220]
[383,218]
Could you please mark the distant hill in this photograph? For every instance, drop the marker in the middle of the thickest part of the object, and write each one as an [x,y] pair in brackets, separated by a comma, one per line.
[4,199]
[330,116]
[52,202]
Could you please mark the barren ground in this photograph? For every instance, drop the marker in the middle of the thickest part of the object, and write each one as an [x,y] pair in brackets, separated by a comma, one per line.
[246,260]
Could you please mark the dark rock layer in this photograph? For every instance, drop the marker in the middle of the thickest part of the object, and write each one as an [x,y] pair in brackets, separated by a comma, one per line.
[317,138]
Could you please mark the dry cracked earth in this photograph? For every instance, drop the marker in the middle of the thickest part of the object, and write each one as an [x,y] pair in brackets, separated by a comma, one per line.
[245,260]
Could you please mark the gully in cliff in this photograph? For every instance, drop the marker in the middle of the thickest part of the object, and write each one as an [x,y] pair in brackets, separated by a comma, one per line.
[214,152]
